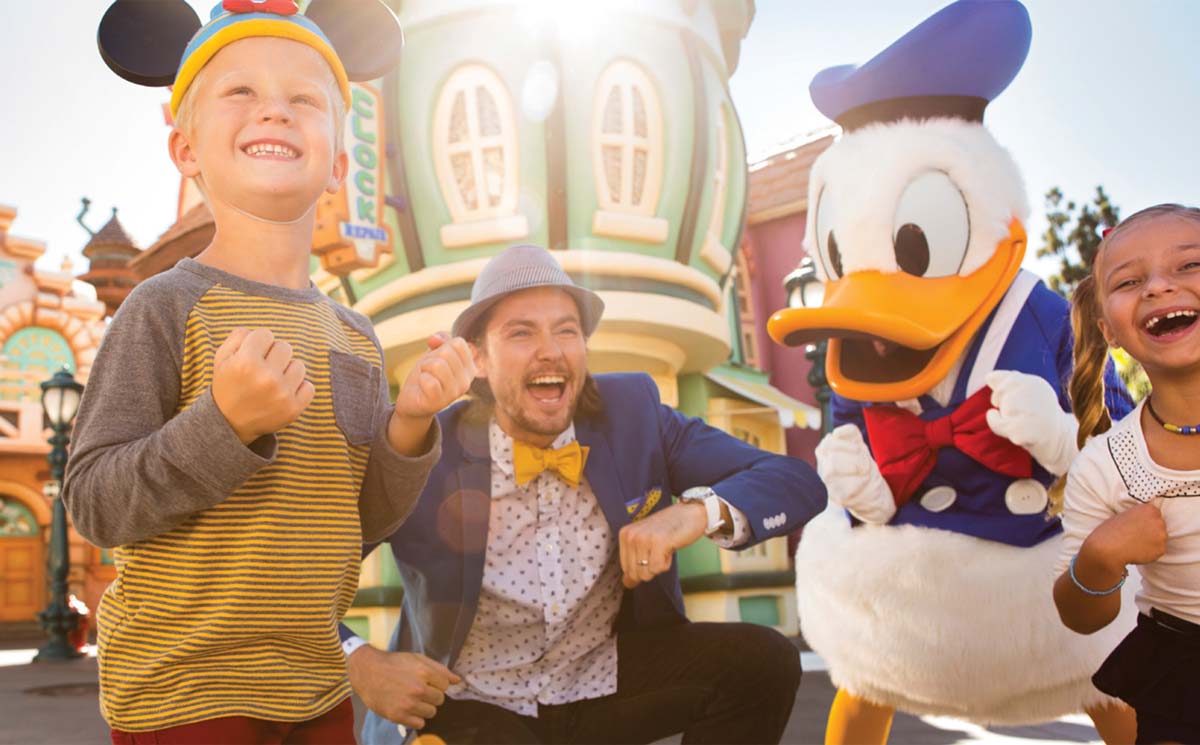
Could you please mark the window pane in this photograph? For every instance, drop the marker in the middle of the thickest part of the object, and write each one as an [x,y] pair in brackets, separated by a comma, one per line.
[639,174]
[464,179]
[493,173]
[613,112]
[458,119]
[612,172]
[639,114]
[489,114]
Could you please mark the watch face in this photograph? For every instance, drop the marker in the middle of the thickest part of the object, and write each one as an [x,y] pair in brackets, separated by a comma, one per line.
[696,493]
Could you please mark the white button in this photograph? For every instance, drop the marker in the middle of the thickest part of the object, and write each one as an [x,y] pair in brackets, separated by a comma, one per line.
[938,498]
[549,547]
[1026,497]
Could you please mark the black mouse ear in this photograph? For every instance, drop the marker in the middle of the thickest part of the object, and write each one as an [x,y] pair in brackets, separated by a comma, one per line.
[143,40]
[365,34]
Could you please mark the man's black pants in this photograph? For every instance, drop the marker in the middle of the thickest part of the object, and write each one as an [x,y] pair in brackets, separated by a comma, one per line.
[714,682]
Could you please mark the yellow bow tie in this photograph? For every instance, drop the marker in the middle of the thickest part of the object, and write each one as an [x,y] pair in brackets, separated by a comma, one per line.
[567,461]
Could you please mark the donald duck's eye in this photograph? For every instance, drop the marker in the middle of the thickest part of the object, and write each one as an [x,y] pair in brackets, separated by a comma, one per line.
[931,228]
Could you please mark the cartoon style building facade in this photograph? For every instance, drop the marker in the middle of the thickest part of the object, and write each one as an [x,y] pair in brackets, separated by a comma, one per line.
[45,324]
[610,139]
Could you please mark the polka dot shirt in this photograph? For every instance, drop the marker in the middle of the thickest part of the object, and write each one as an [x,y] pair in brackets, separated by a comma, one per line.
[551,590]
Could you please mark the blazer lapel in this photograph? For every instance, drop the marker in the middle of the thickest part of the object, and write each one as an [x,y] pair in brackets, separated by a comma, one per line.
[601,472]
[471,505]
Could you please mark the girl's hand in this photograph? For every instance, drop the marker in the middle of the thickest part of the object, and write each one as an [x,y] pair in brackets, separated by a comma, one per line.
[1136,536]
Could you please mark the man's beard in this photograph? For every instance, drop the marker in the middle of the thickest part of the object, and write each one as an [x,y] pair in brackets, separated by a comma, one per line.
[543,427]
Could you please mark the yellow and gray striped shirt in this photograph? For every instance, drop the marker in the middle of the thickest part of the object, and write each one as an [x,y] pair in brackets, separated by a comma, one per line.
[234,563]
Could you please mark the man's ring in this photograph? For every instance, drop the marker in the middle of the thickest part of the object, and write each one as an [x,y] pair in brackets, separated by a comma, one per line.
[643,562]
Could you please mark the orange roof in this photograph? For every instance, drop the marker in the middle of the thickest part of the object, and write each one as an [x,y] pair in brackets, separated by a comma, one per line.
[779,183]
[186,238]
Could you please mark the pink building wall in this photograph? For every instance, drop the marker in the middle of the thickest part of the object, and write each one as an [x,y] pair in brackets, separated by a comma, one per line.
[774,251]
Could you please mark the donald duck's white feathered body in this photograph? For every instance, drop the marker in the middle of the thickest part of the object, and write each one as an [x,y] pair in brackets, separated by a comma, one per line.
[927,584]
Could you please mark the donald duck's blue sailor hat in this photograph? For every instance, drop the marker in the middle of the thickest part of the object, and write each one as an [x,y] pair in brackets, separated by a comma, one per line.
[950,65]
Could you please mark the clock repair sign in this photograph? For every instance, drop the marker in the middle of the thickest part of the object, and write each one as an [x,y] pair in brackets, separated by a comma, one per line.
[350,232]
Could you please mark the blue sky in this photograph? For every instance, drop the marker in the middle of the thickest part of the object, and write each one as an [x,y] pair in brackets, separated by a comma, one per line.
[1110,95]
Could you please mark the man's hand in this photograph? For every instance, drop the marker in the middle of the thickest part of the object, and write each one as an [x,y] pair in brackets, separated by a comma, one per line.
[852,477]
[402,687]
[441,376]
[646,546]
[257,385]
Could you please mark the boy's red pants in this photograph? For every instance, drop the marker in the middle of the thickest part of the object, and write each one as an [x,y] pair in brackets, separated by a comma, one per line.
[334,727]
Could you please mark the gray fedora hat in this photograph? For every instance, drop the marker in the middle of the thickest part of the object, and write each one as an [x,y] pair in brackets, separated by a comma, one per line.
[521,268]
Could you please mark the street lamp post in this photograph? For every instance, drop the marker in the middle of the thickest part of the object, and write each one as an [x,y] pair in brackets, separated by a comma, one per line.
[806,290]
[60,399]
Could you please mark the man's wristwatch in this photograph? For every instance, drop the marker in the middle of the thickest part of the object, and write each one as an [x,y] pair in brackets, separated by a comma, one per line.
[712,506]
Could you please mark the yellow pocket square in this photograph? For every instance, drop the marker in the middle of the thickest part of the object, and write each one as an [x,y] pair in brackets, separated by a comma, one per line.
[637,509]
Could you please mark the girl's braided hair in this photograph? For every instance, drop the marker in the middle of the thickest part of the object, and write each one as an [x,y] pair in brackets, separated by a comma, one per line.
[1086,388]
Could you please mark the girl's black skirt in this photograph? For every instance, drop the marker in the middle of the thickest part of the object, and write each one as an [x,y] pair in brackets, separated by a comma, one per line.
[1156,670]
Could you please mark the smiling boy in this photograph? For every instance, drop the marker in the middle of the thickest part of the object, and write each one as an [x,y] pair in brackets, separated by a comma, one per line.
[236,440]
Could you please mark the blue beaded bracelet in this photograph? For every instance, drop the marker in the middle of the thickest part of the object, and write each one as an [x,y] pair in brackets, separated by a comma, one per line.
[1079,584]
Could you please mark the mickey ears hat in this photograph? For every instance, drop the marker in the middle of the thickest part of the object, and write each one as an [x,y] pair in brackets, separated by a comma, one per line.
[161,42]
[951,65]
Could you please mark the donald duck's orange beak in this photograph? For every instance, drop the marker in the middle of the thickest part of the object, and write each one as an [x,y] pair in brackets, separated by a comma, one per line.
[894,336]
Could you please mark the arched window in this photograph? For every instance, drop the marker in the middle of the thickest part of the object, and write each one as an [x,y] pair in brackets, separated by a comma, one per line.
[475,153]
[32,354]
[627,155]
[747,317]
[714,252]
[16,519]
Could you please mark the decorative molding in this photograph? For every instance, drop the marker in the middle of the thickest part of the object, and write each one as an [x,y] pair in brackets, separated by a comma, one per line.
[577,262]
[82,334]
[491,230]
[701,334]
[716,255]
[631,226]
[713,252]
[24,248]
[33,500]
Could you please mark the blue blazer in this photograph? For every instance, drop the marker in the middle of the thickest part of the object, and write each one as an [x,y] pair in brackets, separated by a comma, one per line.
[636,447]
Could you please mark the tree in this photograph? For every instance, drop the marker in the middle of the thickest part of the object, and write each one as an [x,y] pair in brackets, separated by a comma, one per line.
[1132,374]
[1072,238]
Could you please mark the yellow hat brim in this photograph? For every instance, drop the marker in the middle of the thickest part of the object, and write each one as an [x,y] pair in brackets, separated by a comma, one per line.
[278,28]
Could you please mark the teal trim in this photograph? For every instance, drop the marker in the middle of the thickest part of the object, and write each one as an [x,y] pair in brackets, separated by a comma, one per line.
[693,395]
[387,597]
[716,582]
[360,625]
[388,572]
[760,609]
[700,559]
[455,293]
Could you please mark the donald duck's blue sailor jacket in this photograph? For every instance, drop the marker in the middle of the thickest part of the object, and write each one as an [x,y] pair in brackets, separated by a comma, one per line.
[1029,332]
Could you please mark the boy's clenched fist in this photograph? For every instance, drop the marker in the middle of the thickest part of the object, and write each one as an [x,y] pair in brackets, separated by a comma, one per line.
[257,385]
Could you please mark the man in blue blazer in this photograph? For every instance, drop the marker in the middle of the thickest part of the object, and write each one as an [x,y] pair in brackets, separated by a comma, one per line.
[542,602]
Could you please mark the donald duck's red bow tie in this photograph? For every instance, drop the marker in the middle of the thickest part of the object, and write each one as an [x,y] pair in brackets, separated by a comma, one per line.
[905,446]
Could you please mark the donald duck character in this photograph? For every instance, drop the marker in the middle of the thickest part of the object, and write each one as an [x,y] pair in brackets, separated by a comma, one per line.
[926,586]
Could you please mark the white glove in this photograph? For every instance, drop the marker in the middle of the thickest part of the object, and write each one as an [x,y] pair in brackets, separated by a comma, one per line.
[852,477]
[1027,414]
